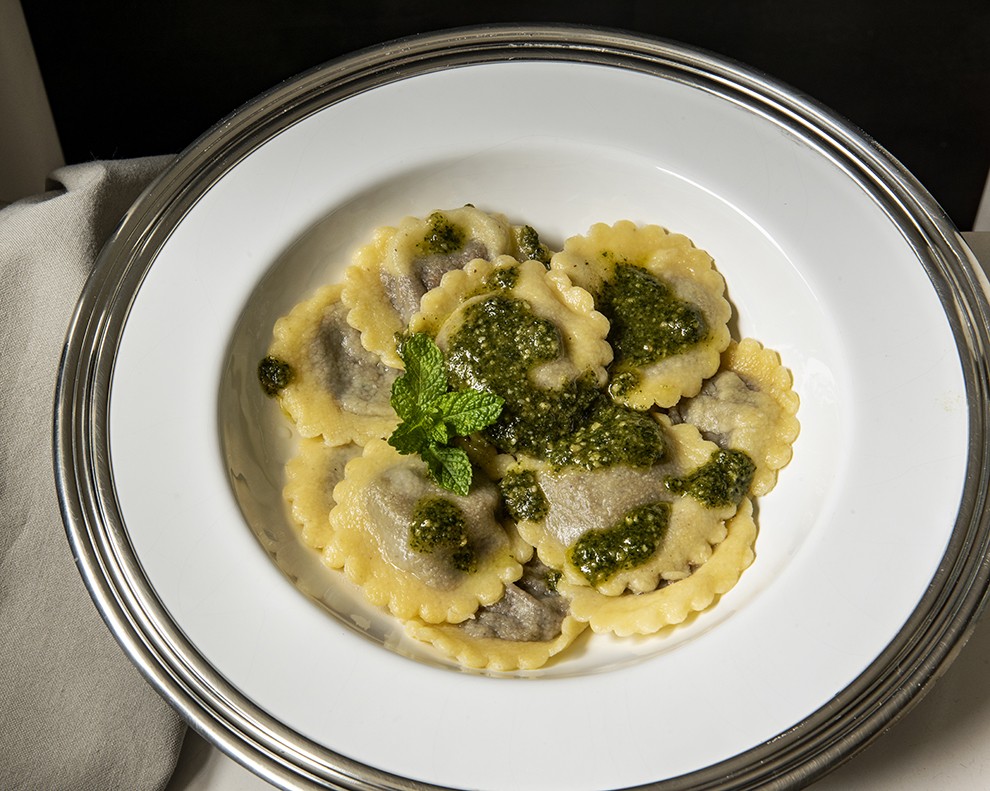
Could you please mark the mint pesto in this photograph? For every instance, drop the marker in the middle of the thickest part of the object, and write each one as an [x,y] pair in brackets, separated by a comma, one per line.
[648,321]
[601,554]
[442,236]
[437,523]
[610,434]
[531,246]
[495,348]
[523,497]
[499,341]
[501,278]
[274,375]
[722,480]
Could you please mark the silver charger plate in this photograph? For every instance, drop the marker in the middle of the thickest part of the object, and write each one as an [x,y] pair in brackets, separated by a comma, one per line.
[870,563]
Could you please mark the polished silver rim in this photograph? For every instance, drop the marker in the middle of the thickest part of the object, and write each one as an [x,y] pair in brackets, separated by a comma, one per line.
[923,648]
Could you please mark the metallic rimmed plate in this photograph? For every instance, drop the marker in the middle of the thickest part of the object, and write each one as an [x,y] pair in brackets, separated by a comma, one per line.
[870,562]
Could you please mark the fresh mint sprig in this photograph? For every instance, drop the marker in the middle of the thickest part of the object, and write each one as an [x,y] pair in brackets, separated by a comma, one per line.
[432,415]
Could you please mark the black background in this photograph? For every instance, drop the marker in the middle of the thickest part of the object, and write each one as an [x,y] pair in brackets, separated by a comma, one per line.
[134,79]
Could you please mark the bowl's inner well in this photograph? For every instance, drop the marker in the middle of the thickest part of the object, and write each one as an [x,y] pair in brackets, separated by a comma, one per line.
[766,289]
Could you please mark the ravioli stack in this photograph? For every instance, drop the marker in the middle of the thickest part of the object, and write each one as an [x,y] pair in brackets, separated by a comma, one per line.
[615,488]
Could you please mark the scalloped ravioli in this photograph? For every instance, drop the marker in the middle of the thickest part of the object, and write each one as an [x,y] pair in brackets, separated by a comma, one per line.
[665,304]
[615,489]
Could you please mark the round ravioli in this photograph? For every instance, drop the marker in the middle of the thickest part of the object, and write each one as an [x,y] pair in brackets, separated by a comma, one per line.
[415,548]
[385,283]
[647,613]
[749,405]
[526,334]
[665,303]
[618,528]
[548,296]
[337,389]
[521,631]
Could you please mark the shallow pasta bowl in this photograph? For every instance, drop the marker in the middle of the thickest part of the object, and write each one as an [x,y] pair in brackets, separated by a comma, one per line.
[869,569]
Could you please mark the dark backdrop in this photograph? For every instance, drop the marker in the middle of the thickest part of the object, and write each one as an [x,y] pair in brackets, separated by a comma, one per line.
[131,79]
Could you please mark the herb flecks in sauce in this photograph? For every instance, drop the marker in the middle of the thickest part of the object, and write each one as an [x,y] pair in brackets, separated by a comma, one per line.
[442,236]
[499,341]
[621,383]
[722,480]
[611,434]
[524,499]
[495,348]
[437,523]
[274,375]
[601,554]
[502,277]
[531,246]
[648,321]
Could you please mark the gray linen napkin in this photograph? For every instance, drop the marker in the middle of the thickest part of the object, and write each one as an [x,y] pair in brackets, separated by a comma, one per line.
[74,712]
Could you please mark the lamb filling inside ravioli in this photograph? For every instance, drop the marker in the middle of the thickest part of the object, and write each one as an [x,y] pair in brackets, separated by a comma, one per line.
[357,379]
[531,611]
[441,247]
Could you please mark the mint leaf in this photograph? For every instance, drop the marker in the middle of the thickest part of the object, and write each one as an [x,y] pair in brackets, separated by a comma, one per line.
[449,467]
[405,399]
[425,377]
[467,411]
[439,433]
[432,417]
[411,437]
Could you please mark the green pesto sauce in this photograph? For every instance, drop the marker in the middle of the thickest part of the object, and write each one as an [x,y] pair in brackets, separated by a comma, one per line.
[621,383]
[601,554]
[524,499]
[501,278]
[274,374]
[437,523]
[611,434]
[722,480]
[552,578]
[498,343]
[442,236]
[531,246]
[648,321]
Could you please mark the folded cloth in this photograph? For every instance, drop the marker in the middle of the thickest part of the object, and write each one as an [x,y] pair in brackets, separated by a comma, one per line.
[74,712]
